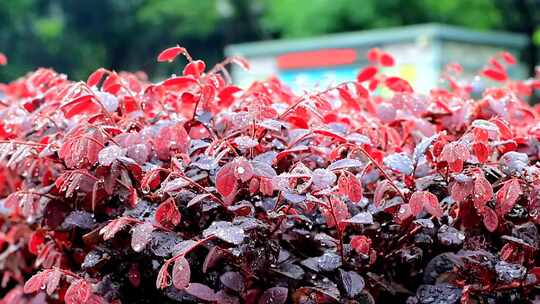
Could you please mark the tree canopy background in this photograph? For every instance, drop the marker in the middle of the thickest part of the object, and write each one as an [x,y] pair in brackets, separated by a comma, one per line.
[76,37]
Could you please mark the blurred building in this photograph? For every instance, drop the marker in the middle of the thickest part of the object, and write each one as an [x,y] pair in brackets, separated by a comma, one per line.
[421,52]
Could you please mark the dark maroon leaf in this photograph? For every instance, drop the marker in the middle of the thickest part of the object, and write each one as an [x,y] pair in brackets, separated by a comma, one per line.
[202,292]
[233,280]
[141,235]
[181,273]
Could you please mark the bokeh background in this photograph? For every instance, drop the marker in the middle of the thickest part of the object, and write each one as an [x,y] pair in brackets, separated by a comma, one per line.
[78,36]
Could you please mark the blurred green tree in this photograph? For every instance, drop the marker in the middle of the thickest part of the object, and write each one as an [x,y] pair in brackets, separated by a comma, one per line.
[76,37]
[323,16]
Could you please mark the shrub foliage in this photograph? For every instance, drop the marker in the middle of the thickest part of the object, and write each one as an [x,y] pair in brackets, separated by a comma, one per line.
[120,190]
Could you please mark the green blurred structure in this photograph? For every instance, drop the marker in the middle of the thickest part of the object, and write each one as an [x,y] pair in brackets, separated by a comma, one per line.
[421,52]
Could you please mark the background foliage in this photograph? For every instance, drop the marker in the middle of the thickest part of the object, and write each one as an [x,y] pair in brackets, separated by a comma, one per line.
[76,37]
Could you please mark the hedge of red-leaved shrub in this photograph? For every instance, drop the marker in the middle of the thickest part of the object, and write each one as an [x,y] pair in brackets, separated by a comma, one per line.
[193,190]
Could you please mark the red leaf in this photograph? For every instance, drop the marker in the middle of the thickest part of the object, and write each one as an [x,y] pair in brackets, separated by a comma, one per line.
[509,58]
[167,214]
[134,275]
[181,82]
[337,211]
[53,281]
[170,54]
[226,96]
[95,77]
[507,196]
[243,170]
[141,235]
[202,292]
[373,84]
[386,59]
[163,278]
[36,240]
[380,190]
[536,272]
[432,206]
[496,65]
[181,273]
[348,100]
[194,68]
[78,292]
[490,219]
[340,209]
[110,230]
[361,243]
[254,186]
[416,203]
[373,55]
[354,189]
[81,147]
[398,85]
[151,180]
[455,153]
[81,105]
[483,192]
[3,59]
[460,191]
[481,151]
[481,135]
[361,91]
[426,200]
[171,138]
[298,121]
[112,89]
[330,134]
[133,198]
[72,181]
[266,186]
[495,75]
[367,73]
[274,295]
[226,180]
[111,81]
[36,282]
[343,184]
[404,212]
[208,94]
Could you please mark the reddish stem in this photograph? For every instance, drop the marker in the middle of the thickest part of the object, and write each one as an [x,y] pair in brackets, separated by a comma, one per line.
[386,176]
[339,231]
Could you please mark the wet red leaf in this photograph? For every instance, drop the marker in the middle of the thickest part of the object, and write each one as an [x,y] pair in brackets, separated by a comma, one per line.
[398,85]
[78,292]
[366,74]
[170,54]
[181,273]
[167,214]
